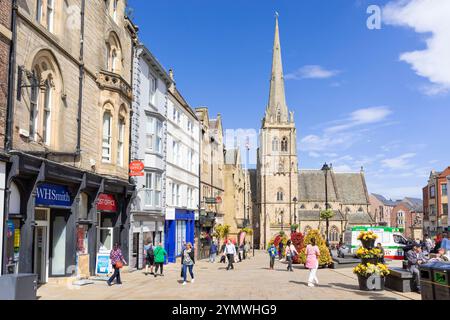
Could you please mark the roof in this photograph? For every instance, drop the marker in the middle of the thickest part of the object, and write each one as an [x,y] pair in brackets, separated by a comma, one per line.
[360,218]
[148,55]
[413,204]
[385,201]
[177,95]
[347,188]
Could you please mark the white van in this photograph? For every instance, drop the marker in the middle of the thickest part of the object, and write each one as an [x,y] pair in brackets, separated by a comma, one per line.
[391,239]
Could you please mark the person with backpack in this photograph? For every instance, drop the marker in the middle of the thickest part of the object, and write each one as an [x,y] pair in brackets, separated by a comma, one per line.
[272,255]
[160,257]
[188,261]
[149,257]
[291,252]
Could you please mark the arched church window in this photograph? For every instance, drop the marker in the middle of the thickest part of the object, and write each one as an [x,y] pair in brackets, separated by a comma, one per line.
[280,195]
[334,234]
[284,145]
[275,145]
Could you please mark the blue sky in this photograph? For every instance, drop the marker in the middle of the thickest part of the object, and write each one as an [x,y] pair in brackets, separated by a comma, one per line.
[373,98]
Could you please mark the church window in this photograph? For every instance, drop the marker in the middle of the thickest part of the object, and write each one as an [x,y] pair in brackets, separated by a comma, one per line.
[360,209]
[280,195]
[279,117]
[334,234]
[275,145]
[303,207]
[284,145]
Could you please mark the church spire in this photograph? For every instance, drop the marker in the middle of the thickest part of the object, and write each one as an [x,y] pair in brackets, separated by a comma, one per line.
[277,109]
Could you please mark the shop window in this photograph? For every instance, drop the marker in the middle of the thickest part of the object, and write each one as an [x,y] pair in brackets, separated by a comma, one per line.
[107,137]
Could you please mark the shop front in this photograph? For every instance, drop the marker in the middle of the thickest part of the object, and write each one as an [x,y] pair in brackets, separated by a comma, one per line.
[179,229]
[146,228]
[205,234]
[59,218]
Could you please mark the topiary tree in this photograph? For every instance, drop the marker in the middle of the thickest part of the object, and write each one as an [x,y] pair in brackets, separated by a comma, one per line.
[297,239]
[325,257]
[279,238]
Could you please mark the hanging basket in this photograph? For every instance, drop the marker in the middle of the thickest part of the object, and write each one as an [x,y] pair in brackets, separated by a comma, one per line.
[368,244]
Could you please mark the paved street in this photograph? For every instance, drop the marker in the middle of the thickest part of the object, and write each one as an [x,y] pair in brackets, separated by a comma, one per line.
[251,280]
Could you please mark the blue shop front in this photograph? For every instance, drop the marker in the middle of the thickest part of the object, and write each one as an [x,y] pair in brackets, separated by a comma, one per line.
[179,228]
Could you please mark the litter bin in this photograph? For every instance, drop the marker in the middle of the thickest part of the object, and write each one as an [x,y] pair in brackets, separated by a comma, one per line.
[441,283]
[426,281]
[18,287]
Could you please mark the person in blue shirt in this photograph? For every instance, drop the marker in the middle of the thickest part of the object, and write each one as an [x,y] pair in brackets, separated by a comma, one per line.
[446,243]
[213,252]
[272,255]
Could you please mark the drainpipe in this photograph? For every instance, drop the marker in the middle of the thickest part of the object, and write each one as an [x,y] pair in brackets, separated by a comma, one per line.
[11,78]
[81,77]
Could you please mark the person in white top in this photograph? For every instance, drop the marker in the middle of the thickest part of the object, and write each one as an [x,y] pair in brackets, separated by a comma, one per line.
[291,252]
[230,251]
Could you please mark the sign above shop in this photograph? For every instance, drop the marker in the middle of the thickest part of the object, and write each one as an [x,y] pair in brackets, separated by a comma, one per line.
[106,203]
[210,200]
[53,195]
[137,169]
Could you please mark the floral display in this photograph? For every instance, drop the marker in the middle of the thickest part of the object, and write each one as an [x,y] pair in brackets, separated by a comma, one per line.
[325,257]
[366,236]
[364,253]
[297,239]
[366,270]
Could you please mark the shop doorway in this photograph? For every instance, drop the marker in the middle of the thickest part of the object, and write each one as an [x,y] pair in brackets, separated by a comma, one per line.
[41,245]
[105,233]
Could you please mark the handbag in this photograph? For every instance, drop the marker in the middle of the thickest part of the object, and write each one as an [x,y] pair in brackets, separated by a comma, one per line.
[119,265]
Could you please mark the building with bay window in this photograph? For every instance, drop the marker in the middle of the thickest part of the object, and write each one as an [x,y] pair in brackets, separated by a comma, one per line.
[183,151]
[149,134]
[67,181]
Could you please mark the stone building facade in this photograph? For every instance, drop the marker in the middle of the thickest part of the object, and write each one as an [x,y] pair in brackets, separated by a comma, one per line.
[381,209]
[149,135]
[212,183]
[70,133]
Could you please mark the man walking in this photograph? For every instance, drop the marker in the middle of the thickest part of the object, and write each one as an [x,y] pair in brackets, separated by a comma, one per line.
[230,251]
[415,258]
[212,252]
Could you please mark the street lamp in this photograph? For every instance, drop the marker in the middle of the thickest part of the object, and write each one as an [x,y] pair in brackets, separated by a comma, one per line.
[295,200]
[325,170]
[282,219]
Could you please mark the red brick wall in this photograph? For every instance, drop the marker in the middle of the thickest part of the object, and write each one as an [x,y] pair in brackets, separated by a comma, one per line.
[5,20]
[409,218]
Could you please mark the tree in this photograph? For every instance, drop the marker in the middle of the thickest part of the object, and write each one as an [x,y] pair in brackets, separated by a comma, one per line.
[222,231]
[325,257]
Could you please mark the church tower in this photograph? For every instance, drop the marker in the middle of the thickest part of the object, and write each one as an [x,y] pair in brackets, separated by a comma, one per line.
[277,157]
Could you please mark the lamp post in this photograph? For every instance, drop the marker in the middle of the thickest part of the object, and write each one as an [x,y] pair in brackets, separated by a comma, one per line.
[325,170]
[295,200]
[282,220]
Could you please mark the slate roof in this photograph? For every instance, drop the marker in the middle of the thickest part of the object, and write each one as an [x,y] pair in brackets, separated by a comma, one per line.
[347,188]
[414,204]
[385,201]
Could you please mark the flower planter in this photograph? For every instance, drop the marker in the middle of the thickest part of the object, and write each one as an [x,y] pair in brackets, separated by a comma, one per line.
[368,244]
[371,283]
[370,260]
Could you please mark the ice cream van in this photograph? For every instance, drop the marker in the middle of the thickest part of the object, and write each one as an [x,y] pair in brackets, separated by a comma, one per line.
[391,239]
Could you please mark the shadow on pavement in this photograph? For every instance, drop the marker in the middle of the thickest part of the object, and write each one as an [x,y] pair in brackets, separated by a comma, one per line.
[355,289]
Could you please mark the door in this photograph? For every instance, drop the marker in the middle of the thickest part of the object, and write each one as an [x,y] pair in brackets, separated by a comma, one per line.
[58,242]
[40,253]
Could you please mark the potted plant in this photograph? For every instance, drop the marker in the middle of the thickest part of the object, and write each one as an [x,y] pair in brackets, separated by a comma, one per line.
[372,256]
[371,277]
[368,239]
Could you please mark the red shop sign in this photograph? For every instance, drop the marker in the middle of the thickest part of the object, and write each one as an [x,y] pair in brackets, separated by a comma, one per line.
[106,202]
[136,169]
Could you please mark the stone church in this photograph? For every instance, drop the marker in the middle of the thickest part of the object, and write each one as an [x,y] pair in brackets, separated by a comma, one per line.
[280,182]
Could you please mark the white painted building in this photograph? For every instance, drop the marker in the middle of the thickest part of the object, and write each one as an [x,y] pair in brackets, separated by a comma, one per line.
[149,134]
[183,150]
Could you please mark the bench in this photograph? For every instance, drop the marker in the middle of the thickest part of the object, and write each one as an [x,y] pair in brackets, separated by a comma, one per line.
[400,280]
[339,263]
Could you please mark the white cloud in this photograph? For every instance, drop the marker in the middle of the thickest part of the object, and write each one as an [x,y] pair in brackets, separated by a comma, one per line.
[311,72]
[342,168]
[313,154]
[425,16]
[399,163]
[362,117]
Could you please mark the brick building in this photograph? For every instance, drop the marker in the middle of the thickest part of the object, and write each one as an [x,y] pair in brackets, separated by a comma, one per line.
[381,209]
[407,215]
[435,205]
[68,185]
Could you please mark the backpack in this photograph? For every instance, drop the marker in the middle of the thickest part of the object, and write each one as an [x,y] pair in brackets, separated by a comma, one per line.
[150,252]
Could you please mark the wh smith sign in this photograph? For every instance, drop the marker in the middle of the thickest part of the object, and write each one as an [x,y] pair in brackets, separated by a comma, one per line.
[53,195]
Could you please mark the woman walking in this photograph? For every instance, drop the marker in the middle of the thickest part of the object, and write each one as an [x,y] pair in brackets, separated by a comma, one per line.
[149,257]
[188,261]
[160,258]
[117,261]
[291,252]
[312,262]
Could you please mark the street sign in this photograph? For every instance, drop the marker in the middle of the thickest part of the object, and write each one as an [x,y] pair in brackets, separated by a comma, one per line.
[210,200]
[137,169]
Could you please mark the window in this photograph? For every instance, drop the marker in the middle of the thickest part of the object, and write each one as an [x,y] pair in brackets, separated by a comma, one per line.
[275,145]
[174,194]
[45,14]
[316,206]
[153,134]
[280,195]
[334,234]
[159,136]
[149,189]
[279,117]
[106,146]
[153,85]
[34,107]
[114,61]
[158,188]
[189,198]
[113,54]
[176,152]
[189,160]
[432,192]
[178,195]
[114,13]
[444,190]
[121,142]
[445,208]
[190,126]
[284,145]
[149,132]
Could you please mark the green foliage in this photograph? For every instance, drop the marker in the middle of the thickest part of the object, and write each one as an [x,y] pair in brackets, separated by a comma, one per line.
[248,231]
[326,214]
[325,257]
[222,231]
[294,227]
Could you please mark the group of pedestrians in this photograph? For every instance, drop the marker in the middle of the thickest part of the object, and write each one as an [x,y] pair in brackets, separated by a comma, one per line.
[312,258]
[230,252]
